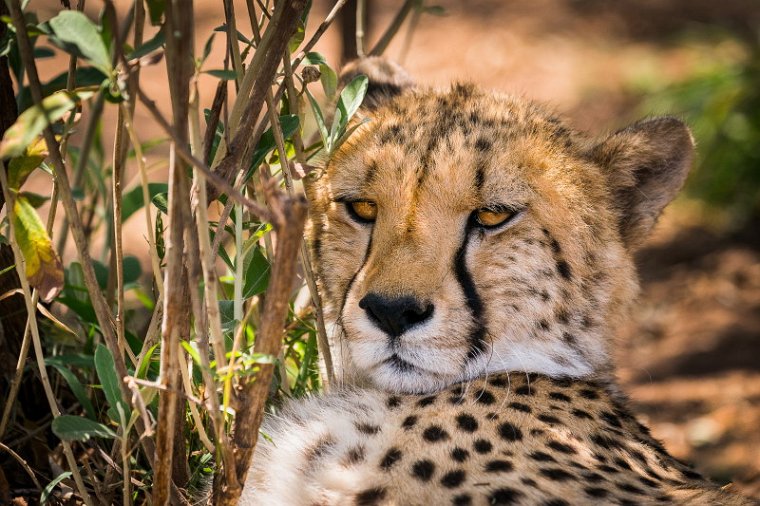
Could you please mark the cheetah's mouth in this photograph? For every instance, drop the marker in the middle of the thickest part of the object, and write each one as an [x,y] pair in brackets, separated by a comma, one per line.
[400,364]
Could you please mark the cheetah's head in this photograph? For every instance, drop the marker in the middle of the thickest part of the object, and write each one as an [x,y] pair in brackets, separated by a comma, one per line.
[459,233]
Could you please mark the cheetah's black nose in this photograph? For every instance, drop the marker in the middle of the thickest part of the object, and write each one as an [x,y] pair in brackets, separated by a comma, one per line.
[395,315]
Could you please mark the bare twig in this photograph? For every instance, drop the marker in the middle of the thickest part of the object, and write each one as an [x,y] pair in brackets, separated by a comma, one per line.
[323,342]
[264,66]
[320,31]
[215,179]
[179,62]
[393,28]
[291,216]
[23,464]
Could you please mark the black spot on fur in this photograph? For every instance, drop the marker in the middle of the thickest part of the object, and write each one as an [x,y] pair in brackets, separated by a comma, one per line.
[460,454]
[423,470]
[509,432]
[561,447]
[393,402]
[556,474]
[555,502]
[483,144]
[648,482]
[524,390]
[519,406]
[499,466]
[482,446]
[622,464]
[627,487]
[426,401]
[370,497]
[435,433]
[467,422]
[499,381]
[593,477]
[564,269]
[354,455]
[692,475]
[366,428]
[579,413]
[543,325]
[504,495]
[551,420]
[390,458]
[611,419]
[485,397]
[587,393]
[456,400]
[453,479]
[596,492]
[461,500]
[559,396]
[608,469]
[409,422]
[542,457]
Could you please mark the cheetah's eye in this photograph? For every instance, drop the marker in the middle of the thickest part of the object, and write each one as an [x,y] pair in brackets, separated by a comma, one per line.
[492,217]
[362,211]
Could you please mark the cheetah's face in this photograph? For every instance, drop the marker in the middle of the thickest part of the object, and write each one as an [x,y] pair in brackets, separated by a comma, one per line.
[459,234]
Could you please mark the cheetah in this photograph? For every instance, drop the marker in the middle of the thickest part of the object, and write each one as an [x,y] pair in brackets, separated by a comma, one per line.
[475,258]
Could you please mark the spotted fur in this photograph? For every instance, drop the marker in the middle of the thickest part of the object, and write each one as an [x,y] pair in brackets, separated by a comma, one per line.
[499,390]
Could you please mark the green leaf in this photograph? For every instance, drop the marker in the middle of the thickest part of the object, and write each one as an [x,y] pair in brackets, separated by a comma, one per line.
[321,126]
[43,266]
[77,428]
[84,77]
[207,47]
[156,10]
[35,199]
[161,201]
[288,124]
[329,80]
[20,167]
[435,10]
[104,365]
[73,32]
[132,201]
[51,486]
[352,96]
[257,270]
[148,47]
[76,388]
[297,37]
[34,120]
[224,75]
[240,36]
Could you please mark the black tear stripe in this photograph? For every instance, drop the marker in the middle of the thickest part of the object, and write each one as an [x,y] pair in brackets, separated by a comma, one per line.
[353,278]
[472,298]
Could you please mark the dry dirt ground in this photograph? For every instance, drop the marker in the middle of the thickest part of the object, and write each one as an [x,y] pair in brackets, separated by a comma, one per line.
[690,359]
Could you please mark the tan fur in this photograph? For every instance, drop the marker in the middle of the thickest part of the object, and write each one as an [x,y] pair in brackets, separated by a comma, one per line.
[503,392]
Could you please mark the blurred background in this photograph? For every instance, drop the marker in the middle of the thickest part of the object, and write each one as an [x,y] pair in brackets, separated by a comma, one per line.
[690,358]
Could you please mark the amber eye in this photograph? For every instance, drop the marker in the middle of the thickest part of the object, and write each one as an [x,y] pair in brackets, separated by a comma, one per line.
[493,217]
[362,211]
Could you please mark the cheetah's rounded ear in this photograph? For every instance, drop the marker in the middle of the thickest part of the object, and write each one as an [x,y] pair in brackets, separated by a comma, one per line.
[387,79]
[646,165]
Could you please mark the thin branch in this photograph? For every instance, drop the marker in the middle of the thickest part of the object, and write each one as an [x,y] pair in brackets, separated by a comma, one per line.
[393,28]
[323,342]
[260,211]
[23,464]
[253,392]
[320,31]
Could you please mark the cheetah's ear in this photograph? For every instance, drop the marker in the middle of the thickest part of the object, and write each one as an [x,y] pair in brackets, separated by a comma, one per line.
[646,164]
[387,79]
